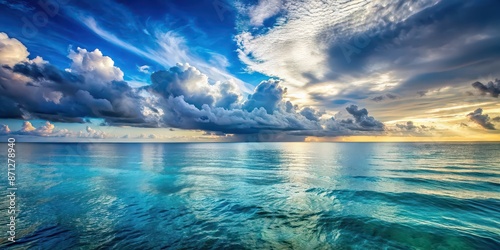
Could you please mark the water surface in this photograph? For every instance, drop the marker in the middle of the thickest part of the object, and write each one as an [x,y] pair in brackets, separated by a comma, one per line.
[257,195]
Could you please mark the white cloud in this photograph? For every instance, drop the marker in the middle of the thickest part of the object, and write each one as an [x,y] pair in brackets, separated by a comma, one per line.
[11,50]
[166,48]
[4,129]
[264,10]
[94,66]
[27,127]
[46,129]
[296,47]
[49,130]
[92,133]
[144,69]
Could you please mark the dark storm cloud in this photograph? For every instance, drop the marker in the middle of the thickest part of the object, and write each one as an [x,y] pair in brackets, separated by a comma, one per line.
[496,119]
[491,88]
[361,120]
[9,108]
[480,119]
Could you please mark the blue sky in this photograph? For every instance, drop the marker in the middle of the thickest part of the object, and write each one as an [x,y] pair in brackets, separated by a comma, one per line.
[238,70]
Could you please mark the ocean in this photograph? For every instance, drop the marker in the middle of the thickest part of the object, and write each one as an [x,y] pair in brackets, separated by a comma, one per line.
[254,196]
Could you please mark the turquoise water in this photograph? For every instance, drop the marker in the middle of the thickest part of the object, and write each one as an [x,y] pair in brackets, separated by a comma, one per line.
[256,195]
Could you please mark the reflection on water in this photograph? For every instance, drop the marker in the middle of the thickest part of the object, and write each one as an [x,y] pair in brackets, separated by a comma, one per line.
[266,195]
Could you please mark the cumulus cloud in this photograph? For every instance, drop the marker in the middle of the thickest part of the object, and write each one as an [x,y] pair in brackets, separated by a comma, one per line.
[12,50]
[49,130]
[480,119]
[4,129]
[491,88]
[361,120]
[91,87]
[180,97]
[265,110]
[94,66]
[187,81]
[27,127]
[45,130]
[310,113]
[268,94]
[93,133]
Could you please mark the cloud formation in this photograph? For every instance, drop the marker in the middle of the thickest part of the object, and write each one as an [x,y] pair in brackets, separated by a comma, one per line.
[492,88]
[49,130]
[411,129]
[480,119]
[91,87]
[4,129]
[377,45]
[362,121]
[180,97]
[384,97]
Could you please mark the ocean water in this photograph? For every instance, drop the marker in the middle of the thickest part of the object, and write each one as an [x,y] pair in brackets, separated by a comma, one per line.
[255,196]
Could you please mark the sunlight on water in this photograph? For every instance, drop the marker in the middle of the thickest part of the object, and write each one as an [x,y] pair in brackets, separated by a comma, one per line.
[265,195]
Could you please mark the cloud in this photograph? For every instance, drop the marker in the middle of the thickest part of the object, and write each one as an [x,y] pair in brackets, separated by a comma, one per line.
[361,120]
[180,97]
[144,69]
[27,127]
[4,129]
[263,10]
[384,97]
[49,130]
[491,88]
[480,119]
[144,136]
[12,50]
[92,133]
[94,66]
[184,80]
[265,111]
[396,46]
[496,119]
[19,6]
[410,128]
[309,113]
[91,87]
[268,94]
[163,46]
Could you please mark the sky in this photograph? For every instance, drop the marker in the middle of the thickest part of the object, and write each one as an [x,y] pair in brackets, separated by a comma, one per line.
[262,70]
